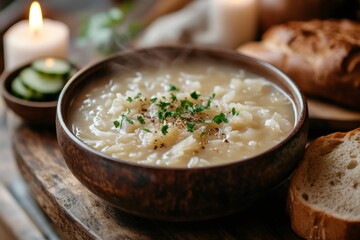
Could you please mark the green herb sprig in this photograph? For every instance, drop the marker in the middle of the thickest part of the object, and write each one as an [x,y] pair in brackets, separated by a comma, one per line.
[124,117]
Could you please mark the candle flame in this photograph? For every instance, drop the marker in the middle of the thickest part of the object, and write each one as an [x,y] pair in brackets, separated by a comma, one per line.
[35,18]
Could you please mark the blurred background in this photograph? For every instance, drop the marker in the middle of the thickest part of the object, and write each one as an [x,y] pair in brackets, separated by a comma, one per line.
[140,15]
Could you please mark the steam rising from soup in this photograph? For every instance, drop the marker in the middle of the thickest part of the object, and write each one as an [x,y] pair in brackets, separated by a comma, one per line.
[190,114]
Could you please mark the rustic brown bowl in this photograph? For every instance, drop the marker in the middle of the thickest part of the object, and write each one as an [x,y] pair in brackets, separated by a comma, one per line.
[32,112]
[179,194]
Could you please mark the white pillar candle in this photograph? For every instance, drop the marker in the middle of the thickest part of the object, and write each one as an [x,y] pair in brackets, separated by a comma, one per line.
[231,23]
[23,43]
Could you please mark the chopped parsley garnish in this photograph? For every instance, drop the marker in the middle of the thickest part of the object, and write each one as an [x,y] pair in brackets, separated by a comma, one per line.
[190,127]
[186,103]
[163,105]
[220,118]
[173,97]
[208,103]
[116,123]
[141,120]
[129,120]
[160,115]
[167,114]
[234,112]
[164,129]
[195,95]
[176,111]
[173,88]
[124,117]
[199,108]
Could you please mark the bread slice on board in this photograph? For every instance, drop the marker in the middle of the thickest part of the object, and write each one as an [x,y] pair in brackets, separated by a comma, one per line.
[321,56]
[324,195]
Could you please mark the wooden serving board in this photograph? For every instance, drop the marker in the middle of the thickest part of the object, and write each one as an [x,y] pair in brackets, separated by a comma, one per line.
[78,214]
[327,117]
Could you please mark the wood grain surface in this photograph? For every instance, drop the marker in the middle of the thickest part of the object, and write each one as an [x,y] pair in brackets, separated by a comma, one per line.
[79,214]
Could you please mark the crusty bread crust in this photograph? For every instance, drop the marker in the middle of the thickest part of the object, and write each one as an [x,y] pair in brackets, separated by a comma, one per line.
[321,56]
[308,221]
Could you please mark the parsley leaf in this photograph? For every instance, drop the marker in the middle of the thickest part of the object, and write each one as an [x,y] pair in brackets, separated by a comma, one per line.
[173,97]
[153,99]
[208,103]
[167,114]
[125,117]
[173,88]
[220,118]
[163,105]
[160,116]
[129,120]
[178,111]
[164,129]
[186,103]
[141,120]
[234,112]
[195,95]
[129,99]
[146,130]
[199,108]
[116,123]
[190,127]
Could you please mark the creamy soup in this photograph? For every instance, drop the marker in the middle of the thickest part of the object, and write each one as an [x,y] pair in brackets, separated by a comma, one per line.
[191,114]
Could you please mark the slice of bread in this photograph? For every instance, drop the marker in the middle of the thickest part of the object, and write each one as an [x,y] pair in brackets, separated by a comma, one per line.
[324,195]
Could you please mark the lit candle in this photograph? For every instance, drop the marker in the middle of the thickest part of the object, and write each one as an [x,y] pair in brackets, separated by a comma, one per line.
[231,23]
[28,40]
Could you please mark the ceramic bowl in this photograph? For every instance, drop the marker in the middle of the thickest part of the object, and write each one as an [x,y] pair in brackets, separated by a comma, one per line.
[32,112]
[180,194]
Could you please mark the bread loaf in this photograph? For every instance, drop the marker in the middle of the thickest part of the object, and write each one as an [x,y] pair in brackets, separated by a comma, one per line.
[324,195]
[321,56]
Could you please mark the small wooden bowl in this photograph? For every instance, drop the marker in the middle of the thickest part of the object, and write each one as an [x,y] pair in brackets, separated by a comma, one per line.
[180,194]
[32,112]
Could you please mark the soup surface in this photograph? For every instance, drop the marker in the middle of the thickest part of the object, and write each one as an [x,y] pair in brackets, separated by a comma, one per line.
[189,114]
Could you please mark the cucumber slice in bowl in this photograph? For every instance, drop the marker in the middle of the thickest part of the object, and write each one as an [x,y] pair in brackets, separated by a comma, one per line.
[22,91]
[41,83]
[18,89]
[52,66]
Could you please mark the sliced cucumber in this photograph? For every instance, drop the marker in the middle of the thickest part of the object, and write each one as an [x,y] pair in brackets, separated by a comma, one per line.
[20,90]
[52,66]
[41,83]
[43,80]
[38,96]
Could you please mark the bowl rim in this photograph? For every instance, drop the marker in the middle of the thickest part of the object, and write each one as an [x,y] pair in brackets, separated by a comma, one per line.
[301,117]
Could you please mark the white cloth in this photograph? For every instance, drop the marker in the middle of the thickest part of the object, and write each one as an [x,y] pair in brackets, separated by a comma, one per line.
[176,27]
